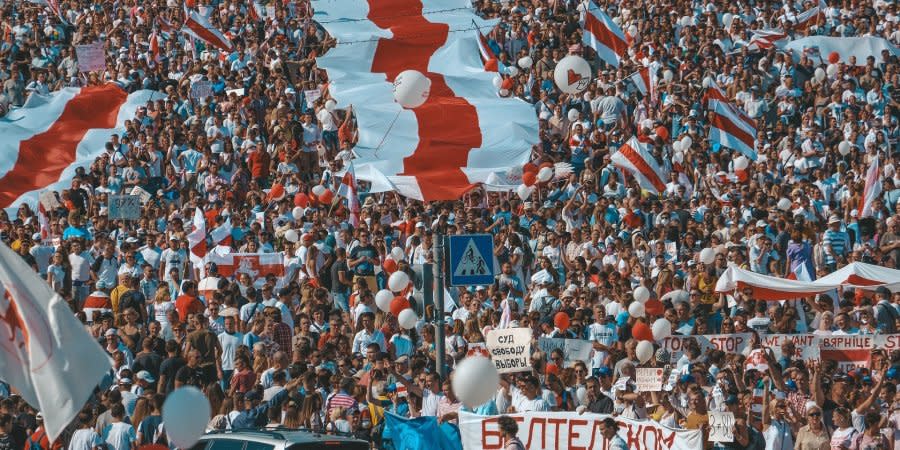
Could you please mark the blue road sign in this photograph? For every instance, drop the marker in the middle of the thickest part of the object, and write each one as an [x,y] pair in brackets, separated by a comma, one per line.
[471,259]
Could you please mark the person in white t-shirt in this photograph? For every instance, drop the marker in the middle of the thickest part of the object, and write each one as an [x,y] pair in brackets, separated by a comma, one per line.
[525,395]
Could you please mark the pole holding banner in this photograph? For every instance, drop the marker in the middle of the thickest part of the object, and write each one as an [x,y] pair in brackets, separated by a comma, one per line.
[439,302]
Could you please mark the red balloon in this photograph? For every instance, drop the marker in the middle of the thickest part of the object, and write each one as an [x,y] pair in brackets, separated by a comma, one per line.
[326,197]
[639,331]
[654,307]
[276,193]
[662,132]
[530,168]
[301,200]
[529,178]
[399,304]
[390,266]
[561,320]
[313,200]
[834,57]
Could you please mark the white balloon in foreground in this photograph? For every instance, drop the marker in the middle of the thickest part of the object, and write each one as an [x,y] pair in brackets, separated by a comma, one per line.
[644,351]
[572,74]
[636,309]
[411,88]
[741,163]
[298,212]
[383,300]
[185,413]
[831,70]
[844,148]
[525,62]
[707,256]
[662,329]
[573,115]
[820,74]
[475,380]
[397,254]
[524,191]
[545,174]
[398,281]
[676,146]
[641,294]
[330,105]
[291,236]
[407,319]
[686,143]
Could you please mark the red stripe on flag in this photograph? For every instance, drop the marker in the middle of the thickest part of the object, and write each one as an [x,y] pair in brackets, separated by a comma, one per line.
[605,35]
[768,294]
[725,124]
[643,167]
[848,355]
[860,281]
[448,125]
[206,34]
[43,157]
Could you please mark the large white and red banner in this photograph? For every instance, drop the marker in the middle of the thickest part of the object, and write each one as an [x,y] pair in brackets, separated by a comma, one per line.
[257,265]
[730,127]
[570,430]
[48,138]
[462,135]
[728,343]
[45,352]
[854,275]
[603,35]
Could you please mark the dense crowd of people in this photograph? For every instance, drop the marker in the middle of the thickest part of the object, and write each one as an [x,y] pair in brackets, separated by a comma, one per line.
[312,350]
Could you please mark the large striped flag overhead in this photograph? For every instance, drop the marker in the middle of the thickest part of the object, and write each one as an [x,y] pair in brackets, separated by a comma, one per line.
[461,135]
[197,26]
[636,158]
[603,35]
[51,135]
[763,40]
[811,17]
[731,127]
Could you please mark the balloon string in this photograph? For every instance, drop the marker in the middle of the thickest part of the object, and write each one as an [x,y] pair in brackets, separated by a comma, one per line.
[390,127]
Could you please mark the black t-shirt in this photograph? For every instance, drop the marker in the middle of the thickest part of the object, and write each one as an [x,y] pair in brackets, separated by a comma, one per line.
[603,405]
[336,286]
[170,368]
[6,443]
[191,375]
[147,361]
[131,299]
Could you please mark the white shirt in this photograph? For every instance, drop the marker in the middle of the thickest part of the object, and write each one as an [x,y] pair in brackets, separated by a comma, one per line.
[81,267]
[364,338]
[230,343]
[524,404]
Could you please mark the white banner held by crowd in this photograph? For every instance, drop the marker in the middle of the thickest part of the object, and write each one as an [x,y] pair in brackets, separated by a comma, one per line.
[557,430]
[728,343]
[510,349]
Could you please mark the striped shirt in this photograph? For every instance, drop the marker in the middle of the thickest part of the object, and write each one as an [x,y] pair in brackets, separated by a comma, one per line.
[340,400]
[839,242]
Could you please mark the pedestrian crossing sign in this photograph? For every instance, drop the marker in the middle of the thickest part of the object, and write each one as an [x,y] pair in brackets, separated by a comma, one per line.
[471,260]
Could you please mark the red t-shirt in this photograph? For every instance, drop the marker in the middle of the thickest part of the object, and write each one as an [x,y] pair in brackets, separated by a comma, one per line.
[187,304]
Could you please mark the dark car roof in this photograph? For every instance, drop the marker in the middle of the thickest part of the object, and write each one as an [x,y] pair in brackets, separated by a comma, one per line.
[291,436]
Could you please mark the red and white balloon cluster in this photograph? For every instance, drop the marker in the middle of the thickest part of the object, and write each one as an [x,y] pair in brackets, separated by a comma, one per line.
[394,299]
[534,176]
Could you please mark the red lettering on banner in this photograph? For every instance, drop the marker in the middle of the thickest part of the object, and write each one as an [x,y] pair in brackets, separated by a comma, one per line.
[595,431]
[494,432]
[534,422]
[891,342]
[556,423]
[632,438]
[573,435]
[667,441]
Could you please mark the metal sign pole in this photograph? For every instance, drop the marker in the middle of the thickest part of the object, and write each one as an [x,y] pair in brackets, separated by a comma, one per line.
[439,302]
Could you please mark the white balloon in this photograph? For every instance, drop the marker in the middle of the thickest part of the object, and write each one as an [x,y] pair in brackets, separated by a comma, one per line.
[512,70]
[820,74]
[707,82]
[298,212]
[831,70]
[398,281]
[613,309]
[676,146]
[397,254]
[383,300]
[524,191]
[330,105]
[185,413]
[844,148]
[545,174]
[411,88]
[504,92]
[525,62]
[784,204]
[318,190]
[291,236]
[641,294]
[741,163]
[686,143]
[662,329]
[644,351]
[572,74]
[668,75]
[407,319]
[678,158]
[475,380]
[497,81]
[573,115]
[707,256]
[726,19]
[636,309]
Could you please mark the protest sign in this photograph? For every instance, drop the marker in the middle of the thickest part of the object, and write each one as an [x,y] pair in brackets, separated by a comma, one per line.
[555,430]
[728,343]
[48,200]
[91,57]
[804,344]
[649,379]
[721,426]
[849,351]
[510,349]
[126,207]
[574,350]
[201,90]
[311,96]
[141,193]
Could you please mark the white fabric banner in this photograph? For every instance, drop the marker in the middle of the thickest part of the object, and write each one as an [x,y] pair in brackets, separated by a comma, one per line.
[556,430]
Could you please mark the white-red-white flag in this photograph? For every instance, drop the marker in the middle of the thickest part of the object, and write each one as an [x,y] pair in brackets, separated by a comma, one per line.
[197,239]
[45,352]
[871,191]
[221,235]
[197,26]
[348,189]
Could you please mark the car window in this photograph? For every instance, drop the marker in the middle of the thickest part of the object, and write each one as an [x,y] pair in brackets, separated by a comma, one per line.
[325,443]
[200,445]
[226,444]
[258,446]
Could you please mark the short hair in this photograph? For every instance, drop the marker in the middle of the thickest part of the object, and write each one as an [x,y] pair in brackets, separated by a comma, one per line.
[609,422]
[508,425]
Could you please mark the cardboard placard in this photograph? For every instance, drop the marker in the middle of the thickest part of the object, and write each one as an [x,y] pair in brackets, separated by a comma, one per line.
[510,349]
[126,207]
[649,379]
[201,90]
[721,426]
[91,57]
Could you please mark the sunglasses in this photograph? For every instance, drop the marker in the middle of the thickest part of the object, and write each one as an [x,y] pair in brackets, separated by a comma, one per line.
[815,414]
